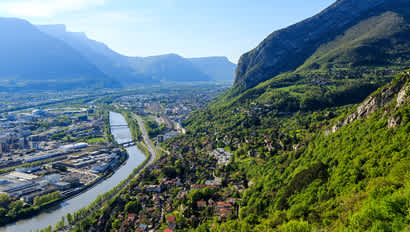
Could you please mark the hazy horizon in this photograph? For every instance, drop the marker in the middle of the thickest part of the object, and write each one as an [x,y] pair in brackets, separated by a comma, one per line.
[190,29]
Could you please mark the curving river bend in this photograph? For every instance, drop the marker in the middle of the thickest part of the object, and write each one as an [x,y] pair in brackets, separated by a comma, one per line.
[54,214]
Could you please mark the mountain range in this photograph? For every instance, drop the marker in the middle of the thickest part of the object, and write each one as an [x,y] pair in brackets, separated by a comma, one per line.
[31,56]
[50,57]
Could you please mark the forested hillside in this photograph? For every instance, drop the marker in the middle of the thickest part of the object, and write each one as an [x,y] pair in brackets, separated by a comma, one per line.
[354,179]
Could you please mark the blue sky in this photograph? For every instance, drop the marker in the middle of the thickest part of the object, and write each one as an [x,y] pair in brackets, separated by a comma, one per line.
[191,28]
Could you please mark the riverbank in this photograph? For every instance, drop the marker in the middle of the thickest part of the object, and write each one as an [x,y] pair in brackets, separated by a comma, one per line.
[30,210]
[54,213]
[97,205]
[35,210]
[81,215]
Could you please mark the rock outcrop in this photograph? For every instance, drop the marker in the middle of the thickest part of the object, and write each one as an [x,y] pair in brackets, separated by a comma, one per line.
[399,88]
[404,96]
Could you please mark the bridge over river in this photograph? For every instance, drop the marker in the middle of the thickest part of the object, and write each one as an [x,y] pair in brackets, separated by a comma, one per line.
[51,215]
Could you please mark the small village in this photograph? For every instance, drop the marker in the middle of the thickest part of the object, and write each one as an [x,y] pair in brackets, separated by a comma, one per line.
[178,191]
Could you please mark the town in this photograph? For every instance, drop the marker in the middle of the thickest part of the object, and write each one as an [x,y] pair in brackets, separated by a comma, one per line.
[54,150]
[50,153]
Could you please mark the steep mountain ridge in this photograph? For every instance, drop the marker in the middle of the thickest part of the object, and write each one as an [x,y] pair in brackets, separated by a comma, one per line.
[343,71]
[287,49]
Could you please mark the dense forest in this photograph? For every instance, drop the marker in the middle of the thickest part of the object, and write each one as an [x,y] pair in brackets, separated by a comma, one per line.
[354,179]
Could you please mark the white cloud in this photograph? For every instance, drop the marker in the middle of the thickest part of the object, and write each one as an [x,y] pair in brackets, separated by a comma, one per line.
[46,8]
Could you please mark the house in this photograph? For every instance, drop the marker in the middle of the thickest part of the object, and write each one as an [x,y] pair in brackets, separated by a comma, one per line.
[202,186]
[223,209]
[221,204]
[131,217]
[201,204]
[224,212]
[172,222]
[197,186]
[153,188]
[142,228]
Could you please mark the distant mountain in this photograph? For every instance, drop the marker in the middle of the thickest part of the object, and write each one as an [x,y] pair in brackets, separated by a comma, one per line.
[170,67]
[108,61]
[219,68]
[33,59]
[50,57]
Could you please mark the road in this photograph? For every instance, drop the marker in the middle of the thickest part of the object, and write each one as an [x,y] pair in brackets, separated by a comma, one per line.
[146,139]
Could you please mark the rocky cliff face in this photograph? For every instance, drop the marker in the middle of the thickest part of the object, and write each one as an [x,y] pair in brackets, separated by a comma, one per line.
[287,49]
[399,91]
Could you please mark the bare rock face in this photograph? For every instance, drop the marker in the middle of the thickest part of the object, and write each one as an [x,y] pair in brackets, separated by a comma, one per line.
[404,96]
[288,48]
[393,122]
[334,128]
[373,103]
[379,100]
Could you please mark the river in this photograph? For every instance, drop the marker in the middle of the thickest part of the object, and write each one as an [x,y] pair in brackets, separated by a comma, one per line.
[52,215]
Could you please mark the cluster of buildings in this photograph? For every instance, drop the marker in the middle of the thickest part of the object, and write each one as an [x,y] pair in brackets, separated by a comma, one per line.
[39,135]
[97,161]
[177,104]
[73,168]
[22,132]
[158,200]
[11,101]
[17,138]
[222,156]
[85,128]
[28,184]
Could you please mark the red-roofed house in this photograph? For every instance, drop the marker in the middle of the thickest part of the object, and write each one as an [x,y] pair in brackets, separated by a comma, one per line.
[171,221]
[201,204]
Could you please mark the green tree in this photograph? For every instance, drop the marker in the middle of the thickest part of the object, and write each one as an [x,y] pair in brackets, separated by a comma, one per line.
[15,207]
[133,206]
[4,200]
[69,218]
[296,226]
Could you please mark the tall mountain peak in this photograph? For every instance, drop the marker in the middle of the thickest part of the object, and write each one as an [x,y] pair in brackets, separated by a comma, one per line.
[285,50]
